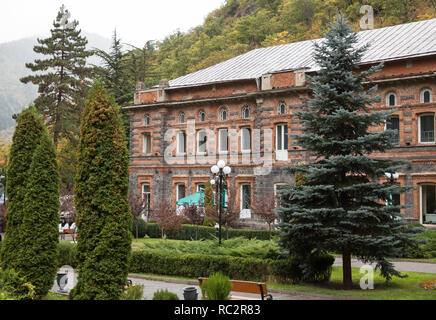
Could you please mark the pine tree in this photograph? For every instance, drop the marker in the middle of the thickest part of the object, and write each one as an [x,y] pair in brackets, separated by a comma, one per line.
[62,77]
[25,140]
[341,205]
[104,220]
[38,261]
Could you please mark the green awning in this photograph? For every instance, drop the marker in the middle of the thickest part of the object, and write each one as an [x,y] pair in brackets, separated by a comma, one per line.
[195,199]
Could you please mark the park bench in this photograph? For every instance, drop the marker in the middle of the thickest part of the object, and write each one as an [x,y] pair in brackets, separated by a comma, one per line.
[245,287]
[70,232]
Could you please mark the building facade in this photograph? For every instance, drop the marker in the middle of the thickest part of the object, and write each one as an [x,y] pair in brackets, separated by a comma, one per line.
[242,111]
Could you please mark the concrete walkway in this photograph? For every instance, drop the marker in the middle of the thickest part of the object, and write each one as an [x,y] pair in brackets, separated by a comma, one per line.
[425,267]
[176,286]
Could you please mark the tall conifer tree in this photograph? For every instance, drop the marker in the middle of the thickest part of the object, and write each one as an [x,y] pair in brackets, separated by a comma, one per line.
[62,77]
[38,261]
[341,206]
[104,220]
[25,140]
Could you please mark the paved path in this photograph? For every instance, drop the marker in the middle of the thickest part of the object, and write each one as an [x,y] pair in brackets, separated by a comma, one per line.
[176,286]
[426,267]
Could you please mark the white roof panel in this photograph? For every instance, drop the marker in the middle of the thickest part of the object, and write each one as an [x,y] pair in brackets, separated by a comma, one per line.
[406,40]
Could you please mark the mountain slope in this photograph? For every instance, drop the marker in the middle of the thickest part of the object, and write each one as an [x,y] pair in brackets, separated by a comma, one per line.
[15,95]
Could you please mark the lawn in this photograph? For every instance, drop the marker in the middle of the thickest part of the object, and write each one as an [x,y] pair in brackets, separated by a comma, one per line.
[397,289]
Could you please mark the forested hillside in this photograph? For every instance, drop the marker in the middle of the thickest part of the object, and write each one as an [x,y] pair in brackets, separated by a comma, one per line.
[15,95]
[241,25]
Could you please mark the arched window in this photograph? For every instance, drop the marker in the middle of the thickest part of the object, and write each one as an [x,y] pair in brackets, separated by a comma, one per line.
[147,120]
[202,116]
[281,108]
[181,117]
[426,96]
[246,112]
[391,99]
[223,114]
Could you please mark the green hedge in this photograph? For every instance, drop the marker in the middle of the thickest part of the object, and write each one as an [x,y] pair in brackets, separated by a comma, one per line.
[249,269]
[188,232]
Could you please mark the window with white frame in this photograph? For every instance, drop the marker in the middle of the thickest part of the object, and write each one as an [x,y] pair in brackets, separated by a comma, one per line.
[200,187]
[426,96]
[223,114]
[282,137]
[181,142]
[146,196]
[391,99]
[202,116]
[246,112]
[223,140]
[393,123]
[181,117]
[428,203]
[146,143]
[245,139]
[426,128]
[245,196]
[201,141]
[181,191]
[281,108]
[147,120]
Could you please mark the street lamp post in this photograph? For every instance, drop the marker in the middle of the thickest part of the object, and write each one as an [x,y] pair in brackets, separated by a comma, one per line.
[392,177]
[220,172]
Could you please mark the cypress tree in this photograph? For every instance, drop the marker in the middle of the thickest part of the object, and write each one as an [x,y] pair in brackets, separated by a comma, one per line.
[25,140]
[341,205]
[104,220]
[38,261]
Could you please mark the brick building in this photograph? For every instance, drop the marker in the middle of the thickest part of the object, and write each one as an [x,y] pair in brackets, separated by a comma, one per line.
[241,110]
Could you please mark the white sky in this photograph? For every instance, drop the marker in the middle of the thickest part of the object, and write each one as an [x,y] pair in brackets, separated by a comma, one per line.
[136,21]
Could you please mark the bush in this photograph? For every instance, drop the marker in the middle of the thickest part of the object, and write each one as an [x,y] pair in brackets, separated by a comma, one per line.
[426,249]
[67,255]
[188,232]
[235,247]
[249,269]
[133,292]
[165,295]
[217,287]
[15,287]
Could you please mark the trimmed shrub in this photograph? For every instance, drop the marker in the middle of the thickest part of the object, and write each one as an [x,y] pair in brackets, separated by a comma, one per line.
[40,222]
[249,269]
[26,139]
[316,268]
[217,287]
[165,295]
[188,232]
[104,220]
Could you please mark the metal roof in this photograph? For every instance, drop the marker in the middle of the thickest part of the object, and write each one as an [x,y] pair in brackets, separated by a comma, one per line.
[400,41]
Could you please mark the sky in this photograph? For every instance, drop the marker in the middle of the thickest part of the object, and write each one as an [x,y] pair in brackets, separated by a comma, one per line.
[135,21]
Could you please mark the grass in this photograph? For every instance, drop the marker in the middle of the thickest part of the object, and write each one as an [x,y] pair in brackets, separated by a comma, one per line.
[396,289]
[55,296]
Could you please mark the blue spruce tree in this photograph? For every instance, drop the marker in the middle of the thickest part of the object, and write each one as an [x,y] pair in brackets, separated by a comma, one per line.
[341,206]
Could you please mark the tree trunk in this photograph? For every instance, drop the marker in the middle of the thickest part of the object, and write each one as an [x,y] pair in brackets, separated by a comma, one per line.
[346,269]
